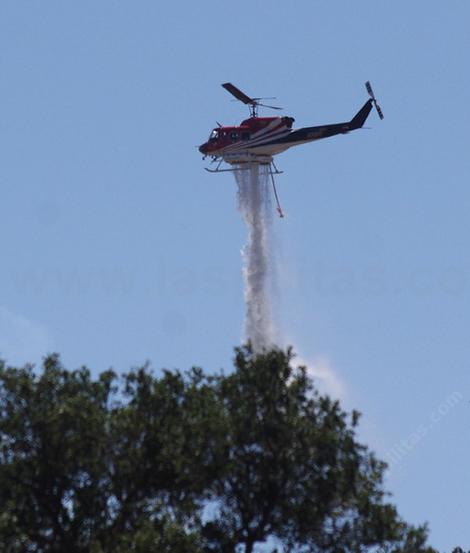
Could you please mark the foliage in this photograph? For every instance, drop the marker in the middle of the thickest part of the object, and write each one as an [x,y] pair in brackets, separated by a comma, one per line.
[187,463]
[293,469]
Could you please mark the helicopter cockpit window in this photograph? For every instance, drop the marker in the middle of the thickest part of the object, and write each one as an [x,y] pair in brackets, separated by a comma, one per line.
[214,135]
[234,136]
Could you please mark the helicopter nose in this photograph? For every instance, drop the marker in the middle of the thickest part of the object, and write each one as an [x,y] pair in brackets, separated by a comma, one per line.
[202,148]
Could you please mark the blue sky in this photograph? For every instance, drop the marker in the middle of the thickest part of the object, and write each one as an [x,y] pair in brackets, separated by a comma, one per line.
[117,247]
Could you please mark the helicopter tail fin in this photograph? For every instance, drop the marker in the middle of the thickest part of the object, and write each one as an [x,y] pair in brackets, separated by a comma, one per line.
[359,119]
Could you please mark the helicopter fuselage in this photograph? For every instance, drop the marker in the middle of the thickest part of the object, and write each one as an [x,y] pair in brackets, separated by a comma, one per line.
[261,138]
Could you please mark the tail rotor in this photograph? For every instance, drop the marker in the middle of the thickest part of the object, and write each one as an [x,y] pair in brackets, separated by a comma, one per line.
[372,95]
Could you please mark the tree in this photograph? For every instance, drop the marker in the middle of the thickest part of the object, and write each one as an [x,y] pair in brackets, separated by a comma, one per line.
[52,457]
[163,455]
[293,469]
[81,470]
[187,463]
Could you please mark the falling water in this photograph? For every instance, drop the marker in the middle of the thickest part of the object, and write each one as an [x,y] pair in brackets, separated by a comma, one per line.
[254,201]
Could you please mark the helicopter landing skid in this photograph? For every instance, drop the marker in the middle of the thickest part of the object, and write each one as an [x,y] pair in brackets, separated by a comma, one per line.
[273,170]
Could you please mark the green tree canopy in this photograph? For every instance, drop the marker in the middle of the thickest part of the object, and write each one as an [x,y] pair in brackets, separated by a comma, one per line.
[188,463]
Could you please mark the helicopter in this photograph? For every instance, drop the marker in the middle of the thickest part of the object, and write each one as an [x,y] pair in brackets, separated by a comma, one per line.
[258,139]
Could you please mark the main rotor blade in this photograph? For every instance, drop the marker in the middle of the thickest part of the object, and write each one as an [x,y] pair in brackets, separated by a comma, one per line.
[239,95]
[270,107]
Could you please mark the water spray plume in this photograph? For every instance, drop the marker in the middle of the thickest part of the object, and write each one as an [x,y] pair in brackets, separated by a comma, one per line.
[260,274]
[254,202]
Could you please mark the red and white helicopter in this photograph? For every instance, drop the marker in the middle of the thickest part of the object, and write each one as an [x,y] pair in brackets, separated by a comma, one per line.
[257,139]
